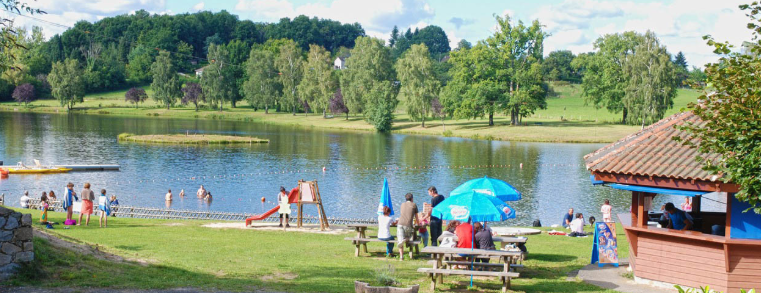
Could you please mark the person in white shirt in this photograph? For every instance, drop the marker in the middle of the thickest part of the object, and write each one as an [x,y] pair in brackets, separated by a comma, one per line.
[577,226]
[384,230]
[25,200]
[606,211]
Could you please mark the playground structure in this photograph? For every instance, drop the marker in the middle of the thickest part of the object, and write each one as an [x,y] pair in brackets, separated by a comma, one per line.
[305,193]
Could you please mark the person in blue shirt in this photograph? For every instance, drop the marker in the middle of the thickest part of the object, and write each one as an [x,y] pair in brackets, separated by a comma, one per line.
[568,218]
[679,219]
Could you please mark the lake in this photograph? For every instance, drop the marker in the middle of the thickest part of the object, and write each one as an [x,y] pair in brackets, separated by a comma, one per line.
[552,177]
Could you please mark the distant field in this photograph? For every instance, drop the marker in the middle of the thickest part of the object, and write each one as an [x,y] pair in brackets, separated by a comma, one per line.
[582,123]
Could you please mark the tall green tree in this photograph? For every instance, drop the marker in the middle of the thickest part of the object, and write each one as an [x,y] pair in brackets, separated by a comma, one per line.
[728,136]
[262,85]
[382,102]
[557,66]
[474,90]
[166,85]
[181,59]
[394,37]
[139,63]
[652,83]
[238,52]
[604,83]
[289,63]
[218,78]
[681,70]
[318,84]
[370,62]
[419,85]
[66,82]
[9,38]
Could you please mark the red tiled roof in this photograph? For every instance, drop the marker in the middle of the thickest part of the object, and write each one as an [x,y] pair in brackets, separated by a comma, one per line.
[652,152]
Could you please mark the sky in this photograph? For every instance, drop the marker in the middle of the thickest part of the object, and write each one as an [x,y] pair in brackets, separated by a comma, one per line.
[573,24]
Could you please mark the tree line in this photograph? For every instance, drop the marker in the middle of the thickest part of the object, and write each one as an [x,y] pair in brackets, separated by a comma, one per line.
[287,66]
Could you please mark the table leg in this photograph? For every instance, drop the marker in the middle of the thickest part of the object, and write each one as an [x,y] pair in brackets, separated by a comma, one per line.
[364,235]
[439,257]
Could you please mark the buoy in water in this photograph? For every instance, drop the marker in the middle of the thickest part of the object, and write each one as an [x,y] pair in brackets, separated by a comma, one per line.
[323,169]
[263,199]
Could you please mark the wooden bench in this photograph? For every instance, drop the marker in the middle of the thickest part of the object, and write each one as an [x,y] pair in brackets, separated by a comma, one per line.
[503,276]
[513,266]
[506,259]
[413,245]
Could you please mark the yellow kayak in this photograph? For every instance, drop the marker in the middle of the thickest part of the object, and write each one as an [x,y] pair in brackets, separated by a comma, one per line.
[37,170]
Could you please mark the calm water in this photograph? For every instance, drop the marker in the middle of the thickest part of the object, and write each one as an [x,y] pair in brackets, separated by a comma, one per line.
[552,178]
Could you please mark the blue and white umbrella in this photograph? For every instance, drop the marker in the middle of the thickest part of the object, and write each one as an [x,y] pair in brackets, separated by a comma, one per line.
[489,186]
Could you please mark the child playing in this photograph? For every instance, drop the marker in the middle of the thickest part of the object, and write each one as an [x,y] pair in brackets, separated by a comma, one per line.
[104,207]
[44,206]
[113,203]
[425,219]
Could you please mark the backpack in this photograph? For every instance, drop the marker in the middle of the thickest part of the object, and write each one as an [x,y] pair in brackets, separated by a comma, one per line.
[537,223]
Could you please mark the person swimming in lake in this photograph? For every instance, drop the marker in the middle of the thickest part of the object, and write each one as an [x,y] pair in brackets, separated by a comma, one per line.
[201,193]
[168,195]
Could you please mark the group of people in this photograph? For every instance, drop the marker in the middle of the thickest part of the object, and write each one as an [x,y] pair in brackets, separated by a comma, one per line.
[458,234]
[575,222]
[202,193]
[69,197]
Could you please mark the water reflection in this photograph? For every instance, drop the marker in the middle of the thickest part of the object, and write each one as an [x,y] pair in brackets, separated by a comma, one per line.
[551,176]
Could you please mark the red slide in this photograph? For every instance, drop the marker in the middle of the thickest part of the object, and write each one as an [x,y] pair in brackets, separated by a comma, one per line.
[293,197]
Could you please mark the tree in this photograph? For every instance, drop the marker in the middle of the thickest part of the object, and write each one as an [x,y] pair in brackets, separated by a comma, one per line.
[181,58]
[681,71]
[382,102]
[697,78]
[139,63]
[9,38]
[729,132]
[502,73]
[317,85]
[680,60]
[463,45]
[237,52]
[289,63]
[370,62]
[557,66]
[135,95]
[652,85]
[218,79]
[604,83]
[66,82]
[394,37]
[437,109]
[419,85]
[192,93]
[24,94]
[337,104]
[166,85]
[262,85]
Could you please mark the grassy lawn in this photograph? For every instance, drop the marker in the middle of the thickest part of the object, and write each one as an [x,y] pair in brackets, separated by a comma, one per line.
[580,123]
[185,254]
[190,139]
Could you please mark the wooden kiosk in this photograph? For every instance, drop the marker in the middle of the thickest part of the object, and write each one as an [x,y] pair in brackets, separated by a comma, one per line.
[309,193]
[649,163]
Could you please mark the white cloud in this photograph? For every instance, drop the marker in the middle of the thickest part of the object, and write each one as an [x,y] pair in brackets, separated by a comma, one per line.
[199,6]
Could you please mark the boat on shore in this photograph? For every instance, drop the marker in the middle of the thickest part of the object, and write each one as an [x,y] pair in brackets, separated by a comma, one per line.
[20,168]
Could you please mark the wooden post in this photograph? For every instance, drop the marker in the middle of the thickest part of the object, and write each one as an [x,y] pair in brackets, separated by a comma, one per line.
[635,204]
[696,204]
[728,224]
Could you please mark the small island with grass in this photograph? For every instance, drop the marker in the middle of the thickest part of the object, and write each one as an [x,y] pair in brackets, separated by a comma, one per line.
[198,139]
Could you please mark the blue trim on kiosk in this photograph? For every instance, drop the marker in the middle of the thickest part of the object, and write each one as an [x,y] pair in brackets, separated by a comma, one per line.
[744,225]
[657,190]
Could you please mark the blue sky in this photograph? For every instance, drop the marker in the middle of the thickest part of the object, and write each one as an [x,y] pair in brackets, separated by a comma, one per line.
[574,25]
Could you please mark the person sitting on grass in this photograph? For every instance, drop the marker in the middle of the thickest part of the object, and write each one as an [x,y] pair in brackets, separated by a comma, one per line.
[384,230]
[114,205]
[577,226]
[483,240]
[25,200]
[104,208]
[567,218]
[447,238]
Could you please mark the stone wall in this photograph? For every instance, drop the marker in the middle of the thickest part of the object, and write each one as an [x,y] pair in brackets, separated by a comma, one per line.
[16,245]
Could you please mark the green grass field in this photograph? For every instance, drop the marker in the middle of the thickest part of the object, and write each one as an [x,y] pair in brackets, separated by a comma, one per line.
[580,123]
[186,254]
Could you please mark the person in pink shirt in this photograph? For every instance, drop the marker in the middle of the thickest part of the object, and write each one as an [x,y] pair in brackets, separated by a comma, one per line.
[606,210]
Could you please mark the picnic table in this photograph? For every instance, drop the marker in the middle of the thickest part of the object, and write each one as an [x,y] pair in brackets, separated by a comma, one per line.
[513,231]
[361,240]
[442,267]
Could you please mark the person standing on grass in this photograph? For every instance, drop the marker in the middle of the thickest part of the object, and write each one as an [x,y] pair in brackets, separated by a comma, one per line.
[384,230]
[606,211]
[104,207]
[435,223]
[87,197]
[404,227]
[285,206]
[69,195]
[44,206]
